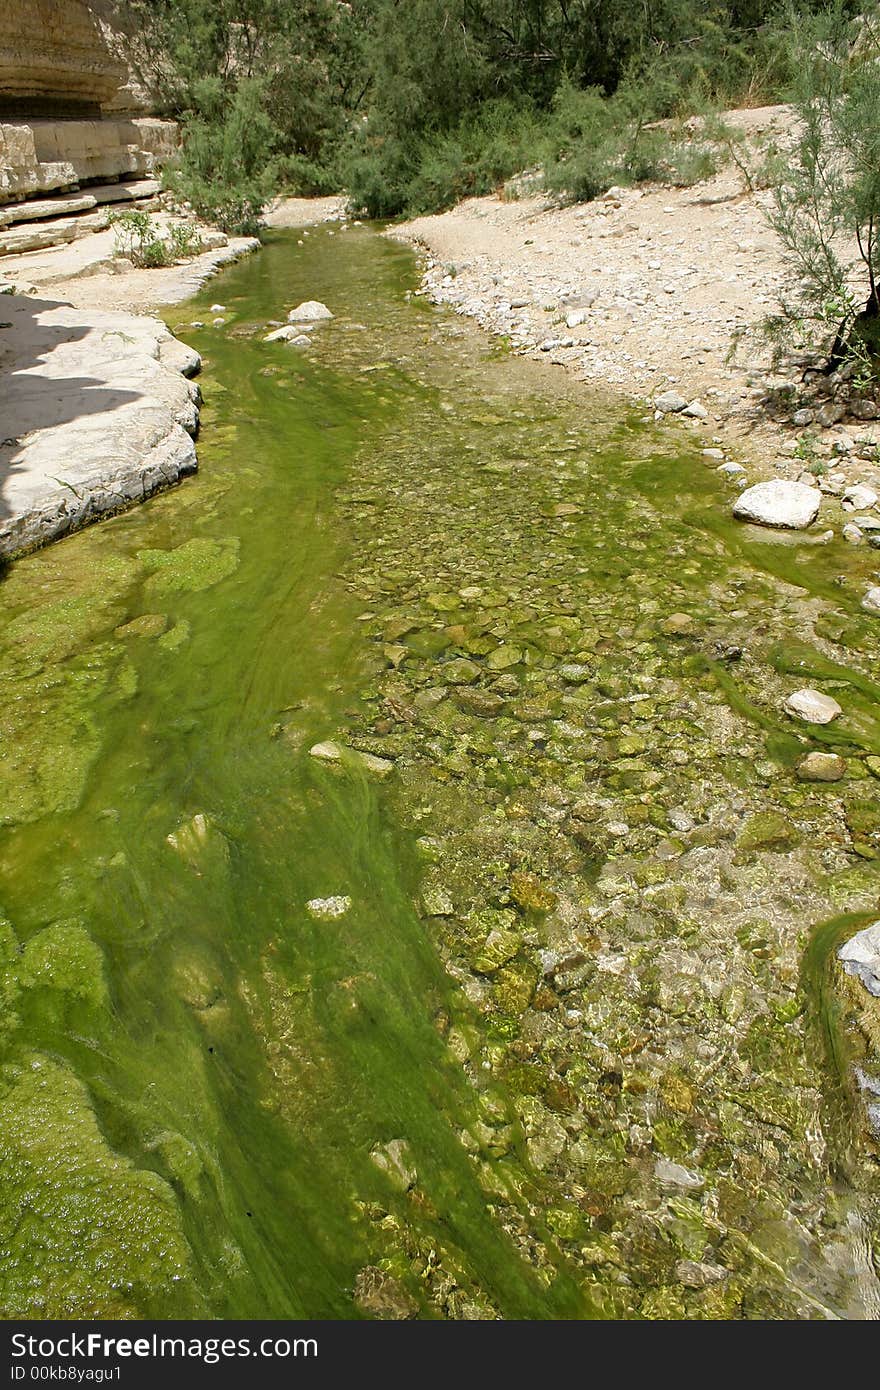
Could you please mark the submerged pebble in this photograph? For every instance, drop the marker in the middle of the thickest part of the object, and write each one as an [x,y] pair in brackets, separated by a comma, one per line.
[327,909]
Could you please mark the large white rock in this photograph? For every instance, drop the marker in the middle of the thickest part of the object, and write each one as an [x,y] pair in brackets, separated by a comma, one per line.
[310,311]
[96,416]
[860,956]
[812,706]
[792,506]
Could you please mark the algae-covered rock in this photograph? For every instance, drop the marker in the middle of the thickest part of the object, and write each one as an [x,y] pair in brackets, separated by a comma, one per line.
[380,1295]
[197,839]
[85,1233]
[336,754]
[529,893]
[500,946]
[47,760]
[767,830]
[863,818]
[64,957]
[394,1159]
[514,987]
[460,671]
[821,767]
[147,625]
[437,903]
[503,657]
[196,565]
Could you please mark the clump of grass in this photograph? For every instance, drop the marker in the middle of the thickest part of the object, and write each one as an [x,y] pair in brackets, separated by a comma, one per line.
[138,239]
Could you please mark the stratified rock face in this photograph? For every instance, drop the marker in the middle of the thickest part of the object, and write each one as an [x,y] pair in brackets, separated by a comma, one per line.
[41,156]
[53,54]
[62,70]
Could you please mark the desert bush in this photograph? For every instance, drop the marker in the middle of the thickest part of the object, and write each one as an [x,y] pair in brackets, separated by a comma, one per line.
[228,167]
[826,197]
[139,240]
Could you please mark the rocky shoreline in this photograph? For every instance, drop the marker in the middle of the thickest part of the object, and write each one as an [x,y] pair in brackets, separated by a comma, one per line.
[100,408]
[657,292]
[100,412]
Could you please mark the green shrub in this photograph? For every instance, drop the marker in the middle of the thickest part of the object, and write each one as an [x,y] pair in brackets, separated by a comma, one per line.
[826,199]
[227,169]
[138,238]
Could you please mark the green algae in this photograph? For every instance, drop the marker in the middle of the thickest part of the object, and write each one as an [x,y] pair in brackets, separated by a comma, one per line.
[85,1233]
[64,957]
[189,568]
[569,952]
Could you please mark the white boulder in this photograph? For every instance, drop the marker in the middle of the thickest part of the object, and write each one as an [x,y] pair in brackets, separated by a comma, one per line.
[859,498]
[791,506]
[812,706]
[310,311]
[669,403]
[871,601]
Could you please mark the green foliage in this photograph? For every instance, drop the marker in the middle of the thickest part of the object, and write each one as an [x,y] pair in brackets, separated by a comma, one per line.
[411,104]
[826,196]
[386,175]
[137,238]
[228,169]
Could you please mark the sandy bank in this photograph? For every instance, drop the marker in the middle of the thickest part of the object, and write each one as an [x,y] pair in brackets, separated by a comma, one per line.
[645,290]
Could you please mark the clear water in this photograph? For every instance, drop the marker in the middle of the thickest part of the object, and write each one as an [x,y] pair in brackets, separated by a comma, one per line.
[200,1079]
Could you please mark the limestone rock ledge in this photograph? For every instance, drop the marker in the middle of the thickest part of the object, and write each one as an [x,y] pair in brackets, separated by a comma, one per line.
[96,416]
[40,156]
[56,49]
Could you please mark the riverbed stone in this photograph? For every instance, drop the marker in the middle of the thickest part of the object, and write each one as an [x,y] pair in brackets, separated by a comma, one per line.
[380,1295]
[529,893]
[332,752]
[871,600]
[670,403]
[670,1174]
[860,957]
[679,625]
[858,498]
[767,830]
[504,657]
[394,1159]
[326,752]
[310,311]
[699,1274]
[821,767]
[500,946]
[328,909]
[147,625]
[780,503]
[812,706]
[460,671]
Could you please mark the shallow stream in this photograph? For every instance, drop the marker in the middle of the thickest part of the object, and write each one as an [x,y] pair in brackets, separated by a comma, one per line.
[566,1049]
